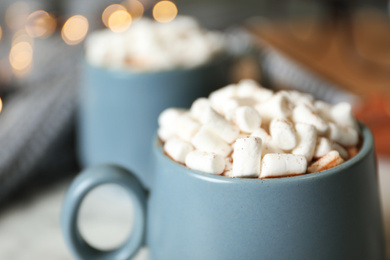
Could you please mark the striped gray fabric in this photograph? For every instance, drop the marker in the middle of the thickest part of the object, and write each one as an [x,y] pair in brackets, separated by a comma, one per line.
[38,113]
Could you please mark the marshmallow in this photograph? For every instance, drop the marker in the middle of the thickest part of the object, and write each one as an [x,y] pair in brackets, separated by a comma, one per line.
[346,136]
[177,149]
[151,46]
[303,114]
[342,151]
[205,162]
[323,146]
[262,94]
[228,167]
[268,145]
[168,117]
[326,162]
[296,97]
[164,133]
[342,115]
[276,106]
[283,133]
[222,94]
[282,164]
[186,127]
[220,125]
[307,140]
[206,140]
[246,88]
[199,107]
[247,157]
[247,119]
[323,109]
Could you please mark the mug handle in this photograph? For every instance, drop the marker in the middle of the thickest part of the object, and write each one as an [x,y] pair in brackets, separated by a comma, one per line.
[81,186]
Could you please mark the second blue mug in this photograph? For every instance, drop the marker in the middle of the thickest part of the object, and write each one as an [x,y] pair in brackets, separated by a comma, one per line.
[118,110]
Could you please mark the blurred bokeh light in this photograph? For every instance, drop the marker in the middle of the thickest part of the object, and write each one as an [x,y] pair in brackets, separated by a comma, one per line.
[119,21]
[40,24]
[164,11]
[16,15]
[109,10]
[75,29]
[20,57]
[135,9]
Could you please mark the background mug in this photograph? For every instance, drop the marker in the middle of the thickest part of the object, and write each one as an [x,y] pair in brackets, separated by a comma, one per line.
[118,110]
[334,214]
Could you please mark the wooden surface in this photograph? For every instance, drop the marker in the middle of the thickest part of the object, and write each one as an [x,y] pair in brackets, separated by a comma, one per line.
[355,56]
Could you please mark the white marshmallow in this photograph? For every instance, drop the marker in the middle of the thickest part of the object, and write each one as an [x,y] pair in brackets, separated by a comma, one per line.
[164,133]
[226,107]
[206,140]
[326,162]
[303,114]
[262,94]
[246,88]
[346,136]
[228,163]
[168,117]
[247,157]
[199,107]
[307,140]
[342,151]
[268,145]
[296,97]
[177,149]
[228,167]
[205,162]
[186,127]
[223,93]
[282,164]
[220,125]
[342,115]
[283,133]
[247,119]
[152,46]
[276,106]
[323,109]
[324,146]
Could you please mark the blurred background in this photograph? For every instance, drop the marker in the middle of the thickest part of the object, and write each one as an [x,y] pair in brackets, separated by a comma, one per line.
[338,50]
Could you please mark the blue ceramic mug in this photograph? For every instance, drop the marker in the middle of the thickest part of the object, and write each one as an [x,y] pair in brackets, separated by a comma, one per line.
[334,214]
[118,110]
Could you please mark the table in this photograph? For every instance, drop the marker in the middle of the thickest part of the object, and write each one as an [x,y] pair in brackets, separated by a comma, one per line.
[30,227]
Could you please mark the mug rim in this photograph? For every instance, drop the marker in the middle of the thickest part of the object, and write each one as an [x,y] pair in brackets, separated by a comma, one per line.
[219,58]
[368,144]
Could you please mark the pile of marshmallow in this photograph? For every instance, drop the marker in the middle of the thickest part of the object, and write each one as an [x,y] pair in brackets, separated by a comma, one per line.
[151,46]
[245,130]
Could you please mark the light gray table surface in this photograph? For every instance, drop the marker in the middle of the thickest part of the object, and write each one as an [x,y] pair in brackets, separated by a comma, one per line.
[30,228]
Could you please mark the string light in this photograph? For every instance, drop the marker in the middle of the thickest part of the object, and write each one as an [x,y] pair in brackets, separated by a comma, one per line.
[75,29]
[40,24]
[20,57]
[135,8]
[164,11]
[109,11]
[119,21]
[16,15]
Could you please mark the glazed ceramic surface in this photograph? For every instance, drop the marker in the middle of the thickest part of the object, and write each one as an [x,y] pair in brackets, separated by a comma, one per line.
[334,214]
[118,111]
